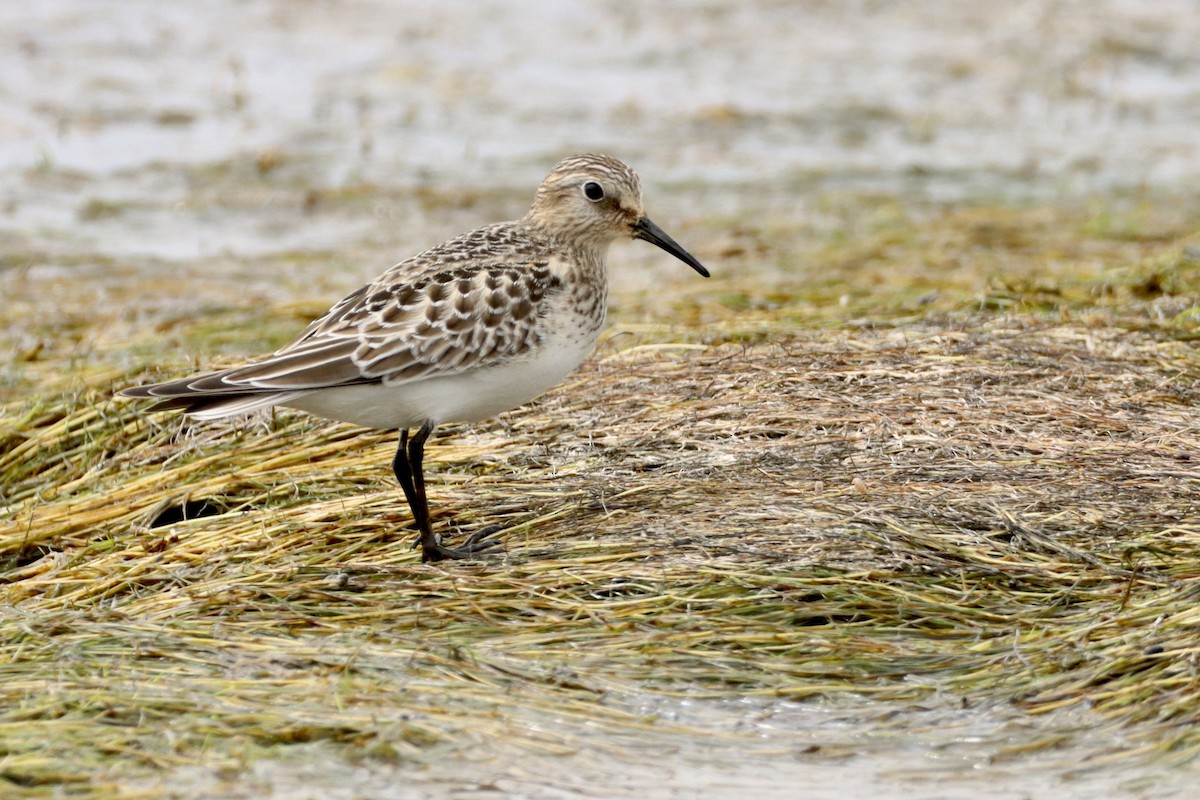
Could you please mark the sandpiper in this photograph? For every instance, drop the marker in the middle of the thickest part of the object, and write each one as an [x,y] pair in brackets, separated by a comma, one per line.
[459,333]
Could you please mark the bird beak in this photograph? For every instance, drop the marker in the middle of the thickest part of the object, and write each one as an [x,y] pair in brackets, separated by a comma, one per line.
[647,231]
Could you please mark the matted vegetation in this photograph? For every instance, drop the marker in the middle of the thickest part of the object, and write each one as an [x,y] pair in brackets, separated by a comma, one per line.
[985,493]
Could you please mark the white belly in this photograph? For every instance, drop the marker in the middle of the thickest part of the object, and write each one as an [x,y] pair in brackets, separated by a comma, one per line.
[466,397]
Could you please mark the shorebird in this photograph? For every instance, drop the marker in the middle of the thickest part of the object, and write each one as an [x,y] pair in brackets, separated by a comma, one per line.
[461,332]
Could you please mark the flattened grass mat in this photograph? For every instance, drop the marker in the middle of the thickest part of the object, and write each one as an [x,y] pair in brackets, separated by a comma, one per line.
[997,511]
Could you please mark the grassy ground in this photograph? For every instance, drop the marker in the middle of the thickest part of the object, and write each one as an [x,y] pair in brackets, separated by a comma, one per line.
[881,455]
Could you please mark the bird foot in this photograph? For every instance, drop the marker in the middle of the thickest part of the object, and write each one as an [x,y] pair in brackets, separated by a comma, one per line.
[475,544]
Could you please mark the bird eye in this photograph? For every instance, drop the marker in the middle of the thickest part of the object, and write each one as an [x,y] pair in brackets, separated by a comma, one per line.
[593,191]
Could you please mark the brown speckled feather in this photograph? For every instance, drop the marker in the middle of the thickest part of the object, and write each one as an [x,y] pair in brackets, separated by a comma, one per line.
[467,303]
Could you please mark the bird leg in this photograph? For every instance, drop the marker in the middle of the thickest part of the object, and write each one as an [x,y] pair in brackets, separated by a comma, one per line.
[403,472]
[407,466]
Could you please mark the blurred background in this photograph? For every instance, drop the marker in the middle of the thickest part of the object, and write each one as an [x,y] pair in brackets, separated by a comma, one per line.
[160,161]
[177,131]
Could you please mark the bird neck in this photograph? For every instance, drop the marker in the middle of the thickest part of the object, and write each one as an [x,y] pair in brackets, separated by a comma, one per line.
[586,256]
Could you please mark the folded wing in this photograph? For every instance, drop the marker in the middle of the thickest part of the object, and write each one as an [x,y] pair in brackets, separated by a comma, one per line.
[448,319]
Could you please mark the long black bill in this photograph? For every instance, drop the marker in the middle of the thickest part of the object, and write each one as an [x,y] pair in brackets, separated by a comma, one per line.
[647,231]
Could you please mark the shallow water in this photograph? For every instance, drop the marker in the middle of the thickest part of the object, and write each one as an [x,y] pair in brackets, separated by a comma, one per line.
[144,134]
[121,123]
[821,750]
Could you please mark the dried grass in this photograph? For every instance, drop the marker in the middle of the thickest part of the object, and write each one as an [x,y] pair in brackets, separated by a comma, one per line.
[995,507]
[997,512]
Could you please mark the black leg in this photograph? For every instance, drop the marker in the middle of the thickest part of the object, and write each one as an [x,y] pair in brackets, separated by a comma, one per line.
[403,472]
[408,467]
[418,502]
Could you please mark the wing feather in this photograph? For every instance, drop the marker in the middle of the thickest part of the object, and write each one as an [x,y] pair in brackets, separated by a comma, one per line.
[470,303]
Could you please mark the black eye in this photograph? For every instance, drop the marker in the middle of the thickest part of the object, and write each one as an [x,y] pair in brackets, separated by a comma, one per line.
[593,191]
